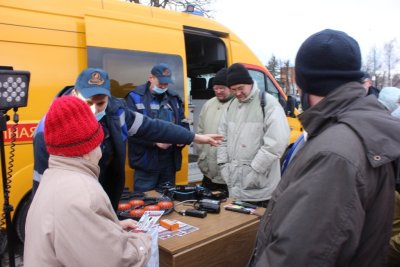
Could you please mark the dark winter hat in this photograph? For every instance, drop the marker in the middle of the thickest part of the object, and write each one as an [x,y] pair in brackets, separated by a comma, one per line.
[70,128]
[93,82]
[326,60]
[220,77]
[238,74]
[162,72]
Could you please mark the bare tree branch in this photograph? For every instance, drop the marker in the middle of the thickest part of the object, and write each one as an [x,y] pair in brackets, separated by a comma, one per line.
[373,65]
[391,59]
[204,6]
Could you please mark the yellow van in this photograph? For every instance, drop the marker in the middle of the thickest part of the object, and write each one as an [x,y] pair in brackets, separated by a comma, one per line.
[56,40]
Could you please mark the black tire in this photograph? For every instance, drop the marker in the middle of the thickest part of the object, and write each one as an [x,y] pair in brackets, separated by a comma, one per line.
[3,243]
[22,212]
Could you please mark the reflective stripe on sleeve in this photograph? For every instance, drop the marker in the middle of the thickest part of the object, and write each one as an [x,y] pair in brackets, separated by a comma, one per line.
[136,124]
[36,176]
[121,118]
[122,123]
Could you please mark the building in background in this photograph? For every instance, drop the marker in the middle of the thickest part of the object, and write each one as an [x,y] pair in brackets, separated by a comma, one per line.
[288,82]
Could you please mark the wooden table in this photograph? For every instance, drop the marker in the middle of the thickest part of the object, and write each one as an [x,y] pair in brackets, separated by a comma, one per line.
[224,239]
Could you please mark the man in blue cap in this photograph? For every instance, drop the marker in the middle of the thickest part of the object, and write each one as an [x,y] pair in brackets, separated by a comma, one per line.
[93,87]
[156,163]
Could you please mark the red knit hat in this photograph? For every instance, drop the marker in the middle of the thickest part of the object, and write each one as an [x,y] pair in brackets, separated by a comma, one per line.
[71,129]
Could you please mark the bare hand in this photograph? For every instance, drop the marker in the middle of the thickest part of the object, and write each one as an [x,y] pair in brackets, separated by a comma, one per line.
[211,139]
[163,146]
[128,224]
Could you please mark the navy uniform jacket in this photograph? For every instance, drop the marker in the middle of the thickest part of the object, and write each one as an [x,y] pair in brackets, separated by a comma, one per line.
[144,155]
[118,124]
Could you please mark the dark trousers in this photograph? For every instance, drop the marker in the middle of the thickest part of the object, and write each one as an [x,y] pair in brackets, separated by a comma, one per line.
[145,181]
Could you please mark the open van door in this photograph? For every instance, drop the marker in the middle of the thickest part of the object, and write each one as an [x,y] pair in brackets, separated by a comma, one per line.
[206,54]
[111,45]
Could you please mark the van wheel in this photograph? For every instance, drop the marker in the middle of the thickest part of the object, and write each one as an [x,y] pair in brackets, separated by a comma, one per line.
[3,243]
[21,217]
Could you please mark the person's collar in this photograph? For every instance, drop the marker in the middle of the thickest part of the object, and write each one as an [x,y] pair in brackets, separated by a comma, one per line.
[227,99]
[78,164]
[318,117]
[253,93]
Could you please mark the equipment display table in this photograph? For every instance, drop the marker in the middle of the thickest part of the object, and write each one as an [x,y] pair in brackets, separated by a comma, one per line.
[224,239]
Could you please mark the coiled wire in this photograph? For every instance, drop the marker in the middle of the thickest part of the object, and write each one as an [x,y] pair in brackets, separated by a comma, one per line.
[7,186]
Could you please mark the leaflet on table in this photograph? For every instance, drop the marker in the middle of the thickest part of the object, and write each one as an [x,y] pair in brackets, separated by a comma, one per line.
[149,219]
[184,229]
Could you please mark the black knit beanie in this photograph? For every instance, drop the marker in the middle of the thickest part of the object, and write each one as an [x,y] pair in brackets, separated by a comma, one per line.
[238,74]
[326,60]
[220,77]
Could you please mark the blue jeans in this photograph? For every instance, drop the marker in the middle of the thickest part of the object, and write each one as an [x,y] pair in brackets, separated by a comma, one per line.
[145,181]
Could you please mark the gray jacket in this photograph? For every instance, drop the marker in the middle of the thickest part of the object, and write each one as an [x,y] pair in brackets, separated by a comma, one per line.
[334,204]
[250,154]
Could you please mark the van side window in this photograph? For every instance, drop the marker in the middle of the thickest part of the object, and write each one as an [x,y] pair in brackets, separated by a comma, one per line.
[129,68]
[266,84]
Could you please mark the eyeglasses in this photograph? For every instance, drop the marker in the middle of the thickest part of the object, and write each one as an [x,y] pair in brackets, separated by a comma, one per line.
[220,88]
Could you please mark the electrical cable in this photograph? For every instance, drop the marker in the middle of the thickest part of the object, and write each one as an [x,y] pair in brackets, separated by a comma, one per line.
[13,138]
[181,212]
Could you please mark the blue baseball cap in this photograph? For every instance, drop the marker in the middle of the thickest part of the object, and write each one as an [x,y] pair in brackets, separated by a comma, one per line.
[92,82]
[162,72]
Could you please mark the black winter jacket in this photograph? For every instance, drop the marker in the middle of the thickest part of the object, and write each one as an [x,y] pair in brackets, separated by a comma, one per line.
[334,204]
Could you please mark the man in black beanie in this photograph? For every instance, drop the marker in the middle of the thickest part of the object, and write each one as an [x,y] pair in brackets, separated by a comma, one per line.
[255,139]
[334,206]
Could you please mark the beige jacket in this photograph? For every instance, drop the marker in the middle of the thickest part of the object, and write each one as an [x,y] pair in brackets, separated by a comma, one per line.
[71,222]
[250,154]
[209,118]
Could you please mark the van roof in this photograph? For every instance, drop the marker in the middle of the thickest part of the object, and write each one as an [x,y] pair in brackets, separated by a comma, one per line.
[114,8]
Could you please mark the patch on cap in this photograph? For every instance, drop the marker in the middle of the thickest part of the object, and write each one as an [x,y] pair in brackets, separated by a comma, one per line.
[96,79]
[166,72]
[162,72]
[93,82]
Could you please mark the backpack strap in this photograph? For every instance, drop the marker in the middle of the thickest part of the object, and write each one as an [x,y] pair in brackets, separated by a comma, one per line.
[262,102]
[290,151]
[230,102]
